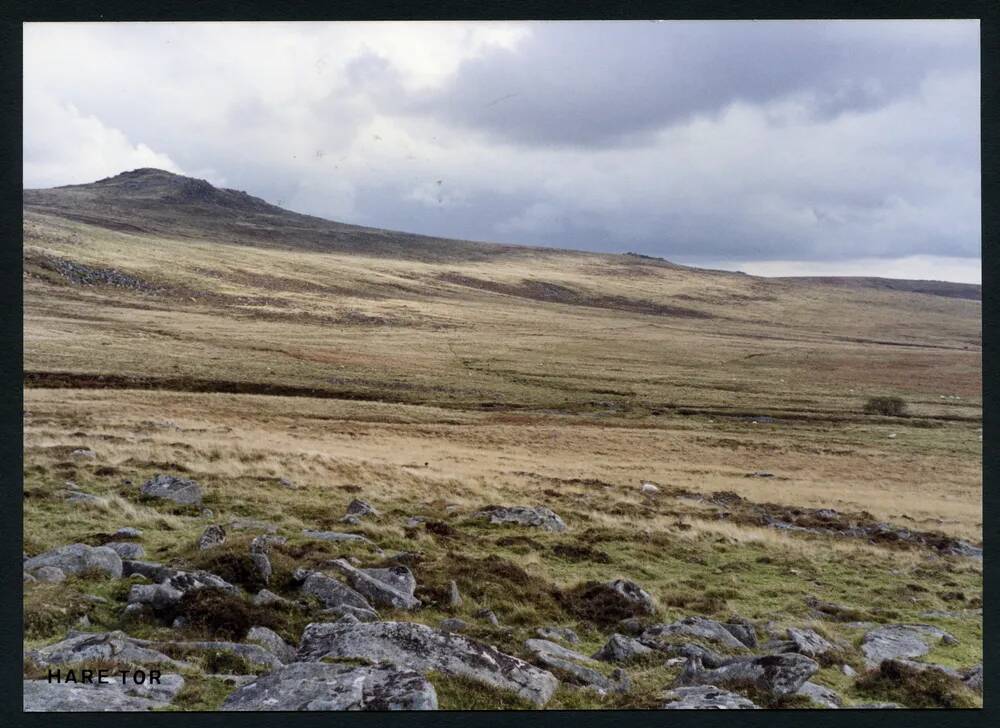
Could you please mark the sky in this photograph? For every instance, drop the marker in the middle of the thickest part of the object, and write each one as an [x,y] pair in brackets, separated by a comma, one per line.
[776,148]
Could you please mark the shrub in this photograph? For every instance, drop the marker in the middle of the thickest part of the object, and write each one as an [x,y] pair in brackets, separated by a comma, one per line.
[888,406]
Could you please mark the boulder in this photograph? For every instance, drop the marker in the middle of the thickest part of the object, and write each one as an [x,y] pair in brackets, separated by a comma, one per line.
[335,536]
[127,532]
[99,647]
[50,574]
[649,489]
[178,490]
[262,565]
[575,666]
[333,593]
[535,517]
[620,648]
[318,686]
[898,640]
[127,550]
[265,598]
[174,585]
[776,675]
[212,536]
[453,624]
[808,642]
[707,629]
[157,596]
[454,598]
[705,697]
[821,695]
[412,646]
[272,642]
[252,653]
[152,571]
[489,615]
[558,633]
[76,558]
[973,678]
[361,509]
[392,587]
[45,697]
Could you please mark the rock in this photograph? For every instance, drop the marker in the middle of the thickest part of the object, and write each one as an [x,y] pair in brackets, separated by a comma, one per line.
[454,598]
[99,647]
[265,598]
[351,520]
[848,670]
[535,517]
[43,696]
[700,627]
[271,641]
[318,686]
[169,591]
[572,664]
[28,578]
[390,592]
[898,640]
[212,536]
[705,697]
[83,454]
[631,626]
[254,654]
[178,490]
[50,574]
[179,623]
[262,564]
[489,615]
[262,544]
[152,571]
[773,674]
[333,593]
[83,622]
[708,657]
[620,648]
[252,524]
[127,549]
[453,624]
[821,695]
[408,645]
[808,642]
[335,536]
[558,633]
[286,483]
[973,678]
[127,532]
[78,496]
[157,596]
[356,614]
[743,631]
[77,558]
[648,489]
[874,706]
[361,509]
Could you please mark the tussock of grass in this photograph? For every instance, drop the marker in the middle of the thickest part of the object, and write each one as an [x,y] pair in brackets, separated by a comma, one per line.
[896,682]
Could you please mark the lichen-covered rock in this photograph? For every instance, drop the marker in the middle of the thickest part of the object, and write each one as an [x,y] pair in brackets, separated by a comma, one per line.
[78,557]
[252,653]
[212,536]
[334,536]
[41,696]
[265,598]
[361,509]
[973,678]
[558,633]
[898,640]
[127,532]
[318,686]
[178,490]
[98,647]
[262,565]
[532,516]
[272,642]
[454,597]
[773,674]
[808,642]
[392,587]
[705,697]
[127,549]
[453,624]
[573,665]
[50,574]
[333,593]
[620,648]
[173,586]
[152,571]
[412,646]
[821,695]
[700,627]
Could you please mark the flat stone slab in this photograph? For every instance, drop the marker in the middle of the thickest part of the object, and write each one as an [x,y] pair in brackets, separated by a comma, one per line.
[320,686]
[705,697]
[899,641]
[707,629]
[391,587]
[78,557]
[179,490]
[41,696]
[532,516]
[412,646]
[94,647]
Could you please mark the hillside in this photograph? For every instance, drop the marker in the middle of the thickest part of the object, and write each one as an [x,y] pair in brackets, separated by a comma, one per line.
[290,365]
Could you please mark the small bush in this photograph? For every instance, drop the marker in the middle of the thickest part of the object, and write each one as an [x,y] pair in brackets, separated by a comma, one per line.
[888,406]
[913,687]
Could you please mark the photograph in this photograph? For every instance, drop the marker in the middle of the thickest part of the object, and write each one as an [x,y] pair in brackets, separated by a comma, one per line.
[501,365]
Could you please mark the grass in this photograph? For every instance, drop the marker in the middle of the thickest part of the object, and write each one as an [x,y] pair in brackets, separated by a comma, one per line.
[466,396]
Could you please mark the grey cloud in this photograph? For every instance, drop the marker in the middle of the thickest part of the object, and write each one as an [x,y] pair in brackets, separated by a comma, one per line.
[604,83]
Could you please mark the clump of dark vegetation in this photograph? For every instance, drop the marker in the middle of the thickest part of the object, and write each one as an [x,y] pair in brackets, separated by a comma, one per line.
[440,529]
[576,553]
[913,687]
[711,601]
[220,614]
[599,604]
[888,406]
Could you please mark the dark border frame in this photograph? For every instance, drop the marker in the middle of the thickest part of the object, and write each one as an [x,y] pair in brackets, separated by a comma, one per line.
[11,321]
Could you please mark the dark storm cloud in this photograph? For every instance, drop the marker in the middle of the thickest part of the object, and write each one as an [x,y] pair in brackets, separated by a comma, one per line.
[601,83]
